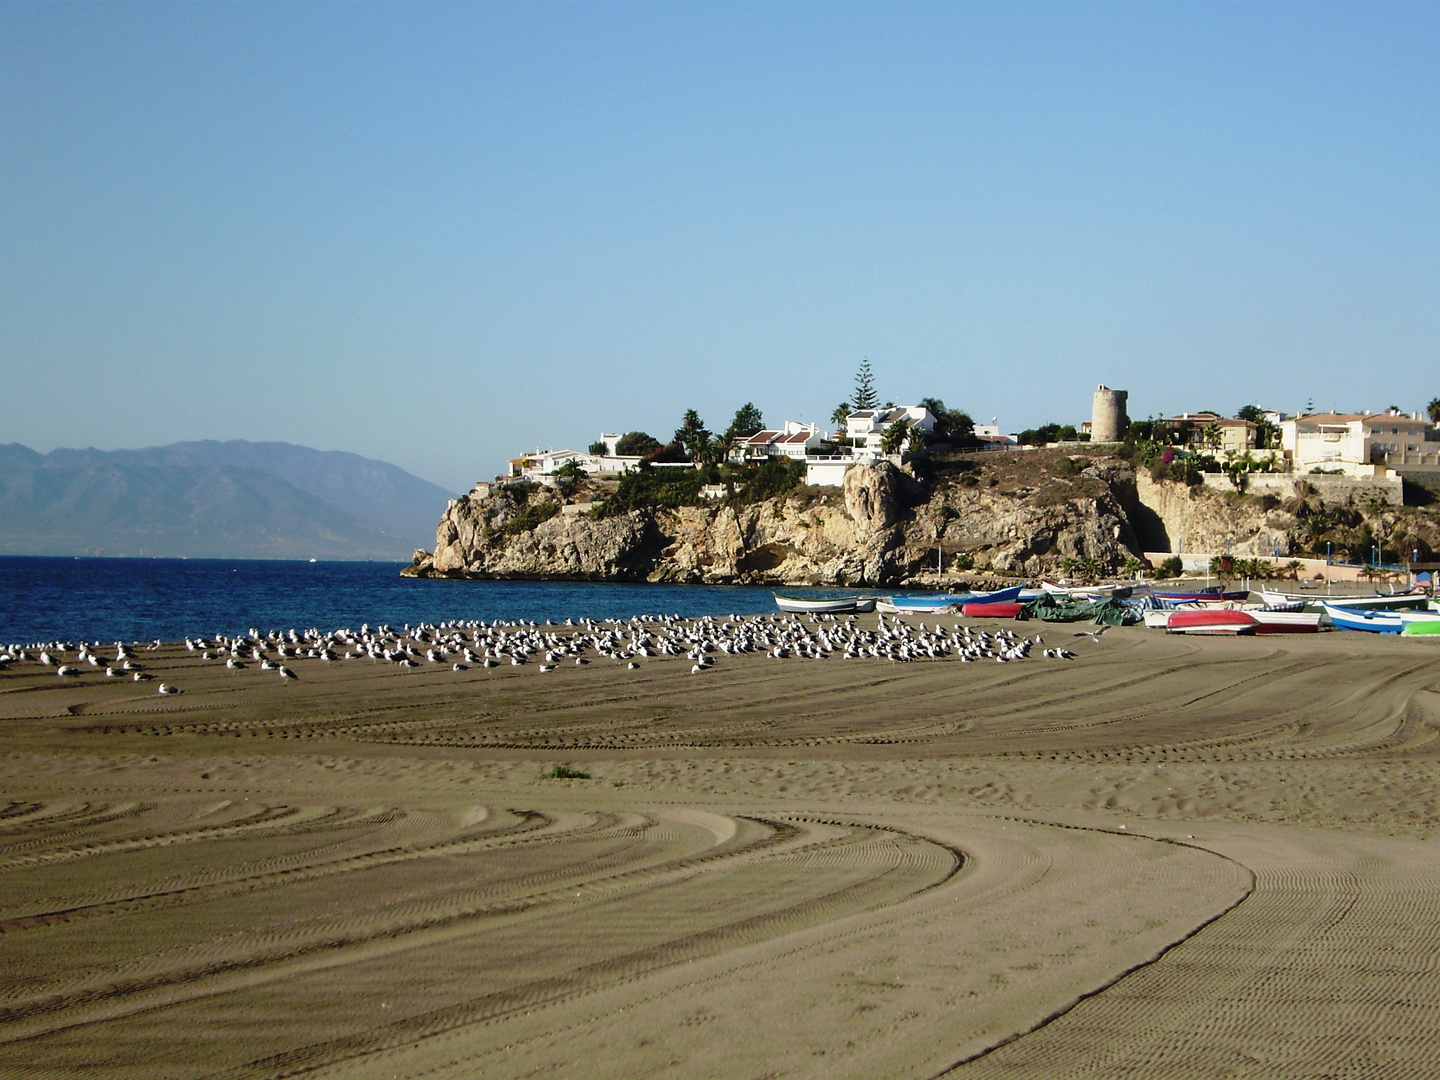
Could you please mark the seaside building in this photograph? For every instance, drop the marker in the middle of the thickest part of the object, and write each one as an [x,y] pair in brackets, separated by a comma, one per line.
[866,428]
[541,465]
[991,437]
[794,440]
[1213,432]
[1361,444]
[862,440]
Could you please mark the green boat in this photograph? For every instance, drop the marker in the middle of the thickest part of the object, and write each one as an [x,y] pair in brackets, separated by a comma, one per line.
[1421,628]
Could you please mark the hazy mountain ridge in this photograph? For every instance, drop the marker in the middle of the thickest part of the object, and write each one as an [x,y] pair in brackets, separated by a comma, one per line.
[233,499]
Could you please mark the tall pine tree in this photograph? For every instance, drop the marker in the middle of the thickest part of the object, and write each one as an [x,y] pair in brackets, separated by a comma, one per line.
[865,396]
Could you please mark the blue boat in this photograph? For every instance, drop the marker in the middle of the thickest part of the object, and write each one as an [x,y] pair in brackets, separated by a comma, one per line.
[927,603]
[1374,620]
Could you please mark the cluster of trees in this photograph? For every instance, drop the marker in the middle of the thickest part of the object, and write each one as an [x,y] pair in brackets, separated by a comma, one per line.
[692,441]
[1048,433]
[1348,532]
[1229,567]
[953,426]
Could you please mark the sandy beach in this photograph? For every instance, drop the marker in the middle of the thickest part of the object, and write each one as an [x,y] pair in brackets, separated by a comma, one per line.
[1167,857]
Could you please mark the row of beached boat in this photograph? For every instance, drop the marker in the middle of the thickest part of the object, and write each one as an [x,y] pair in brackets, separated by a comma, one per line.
[1205,610]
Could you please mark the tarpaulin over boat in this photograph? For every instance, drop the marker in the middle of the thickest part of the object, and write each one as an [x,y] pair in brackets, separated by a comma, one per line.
[1055,608]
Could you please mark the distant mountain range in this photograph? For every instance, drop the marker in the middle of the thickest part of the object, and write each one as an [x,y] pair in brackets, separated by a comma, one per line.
[213,499]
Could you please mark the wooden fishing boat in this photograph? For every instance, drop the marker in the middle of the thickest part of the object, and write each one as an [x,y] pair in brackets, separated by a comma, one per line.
[1371,620]
[1122,590]
[1211,621]
[1284,622]
[836,605]
[937,603]
[1389,601]
[1213,592]
[1001,610]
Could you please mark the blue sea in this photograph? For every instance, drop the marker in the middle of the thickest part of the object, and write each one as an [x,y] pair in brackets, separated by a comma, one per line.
[69,599]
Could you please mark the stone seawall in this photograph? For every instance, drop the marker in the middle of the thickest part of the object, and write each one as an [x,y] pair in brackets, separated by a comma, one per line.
[1333,489]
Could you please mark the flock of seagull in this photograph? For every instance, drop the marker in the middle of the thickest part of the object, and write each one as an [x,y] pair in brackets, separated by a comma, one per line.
[463,644]
[52,654]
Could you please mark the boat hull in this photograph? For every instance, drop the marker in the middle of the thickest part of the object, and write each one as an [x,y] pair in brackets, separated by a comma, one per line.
[1200,596]
[1286,622]
[1368,620]
[797,605]
[938,604]
[992,611]
[1211,621]
[1123,591]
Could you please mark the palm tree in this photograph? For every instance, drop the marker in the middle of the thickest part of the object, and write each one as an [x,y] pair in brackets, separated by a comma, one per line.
[1433,410]
[894,437]
[1212,435]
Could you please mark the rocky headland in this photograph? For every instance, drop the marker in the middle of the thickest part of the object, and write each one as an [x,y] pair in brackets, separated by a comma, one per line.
[989,516]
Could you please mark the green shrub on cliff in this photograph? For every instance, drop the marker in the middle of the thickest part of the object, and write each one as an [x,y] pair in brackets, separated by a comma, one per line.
[770,479]
[652,489]
[524,521]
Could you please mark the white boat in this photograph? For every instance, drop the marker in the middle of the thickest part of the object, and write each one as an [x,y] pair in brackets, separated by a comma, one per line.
[1285,622]
[1120,590]
[1382,601]
[837,605]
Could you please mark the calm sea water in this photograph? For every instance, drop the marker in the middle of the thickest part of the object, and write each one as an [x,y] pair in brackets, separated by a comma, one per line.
[48,599]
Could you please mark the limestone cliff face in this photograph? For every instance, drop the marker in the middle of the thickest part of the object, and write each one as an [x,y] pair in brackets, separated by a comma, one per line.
[472,540]
[1199,519]
[882,528]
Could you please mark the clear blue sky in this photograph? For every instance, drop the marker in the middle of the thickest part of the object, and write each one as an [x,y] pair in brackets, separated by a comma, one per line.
[442,234]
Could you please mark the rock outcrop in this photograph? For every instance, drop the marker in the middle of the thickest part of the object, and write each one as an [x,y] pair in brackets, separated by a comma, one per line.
[477,538]
[885,526]
[1200,519]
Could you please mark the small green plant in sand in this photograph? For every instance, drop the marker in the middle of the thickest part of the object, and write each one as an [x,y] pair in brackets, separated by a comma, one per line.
[564,772]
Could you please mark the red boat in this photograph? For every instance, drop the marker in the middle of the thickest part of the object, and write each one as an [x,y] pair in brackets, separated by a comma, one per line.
[1211,621]
[991,611]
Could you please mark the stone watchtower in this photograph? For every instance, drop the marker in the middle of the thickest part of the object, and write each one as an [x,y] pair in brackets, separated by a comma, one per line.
[1108,420]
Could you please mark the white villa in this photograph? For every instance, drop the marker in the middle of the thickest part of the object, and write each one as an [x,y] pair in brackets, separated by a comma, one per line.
[794,440]
[540,466]
[991,437]
[865,428]
[1361,444]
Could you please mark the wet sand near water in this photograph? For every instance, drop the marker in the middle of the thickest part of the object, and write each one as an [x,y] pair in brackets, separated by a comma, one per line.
[1170,856]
